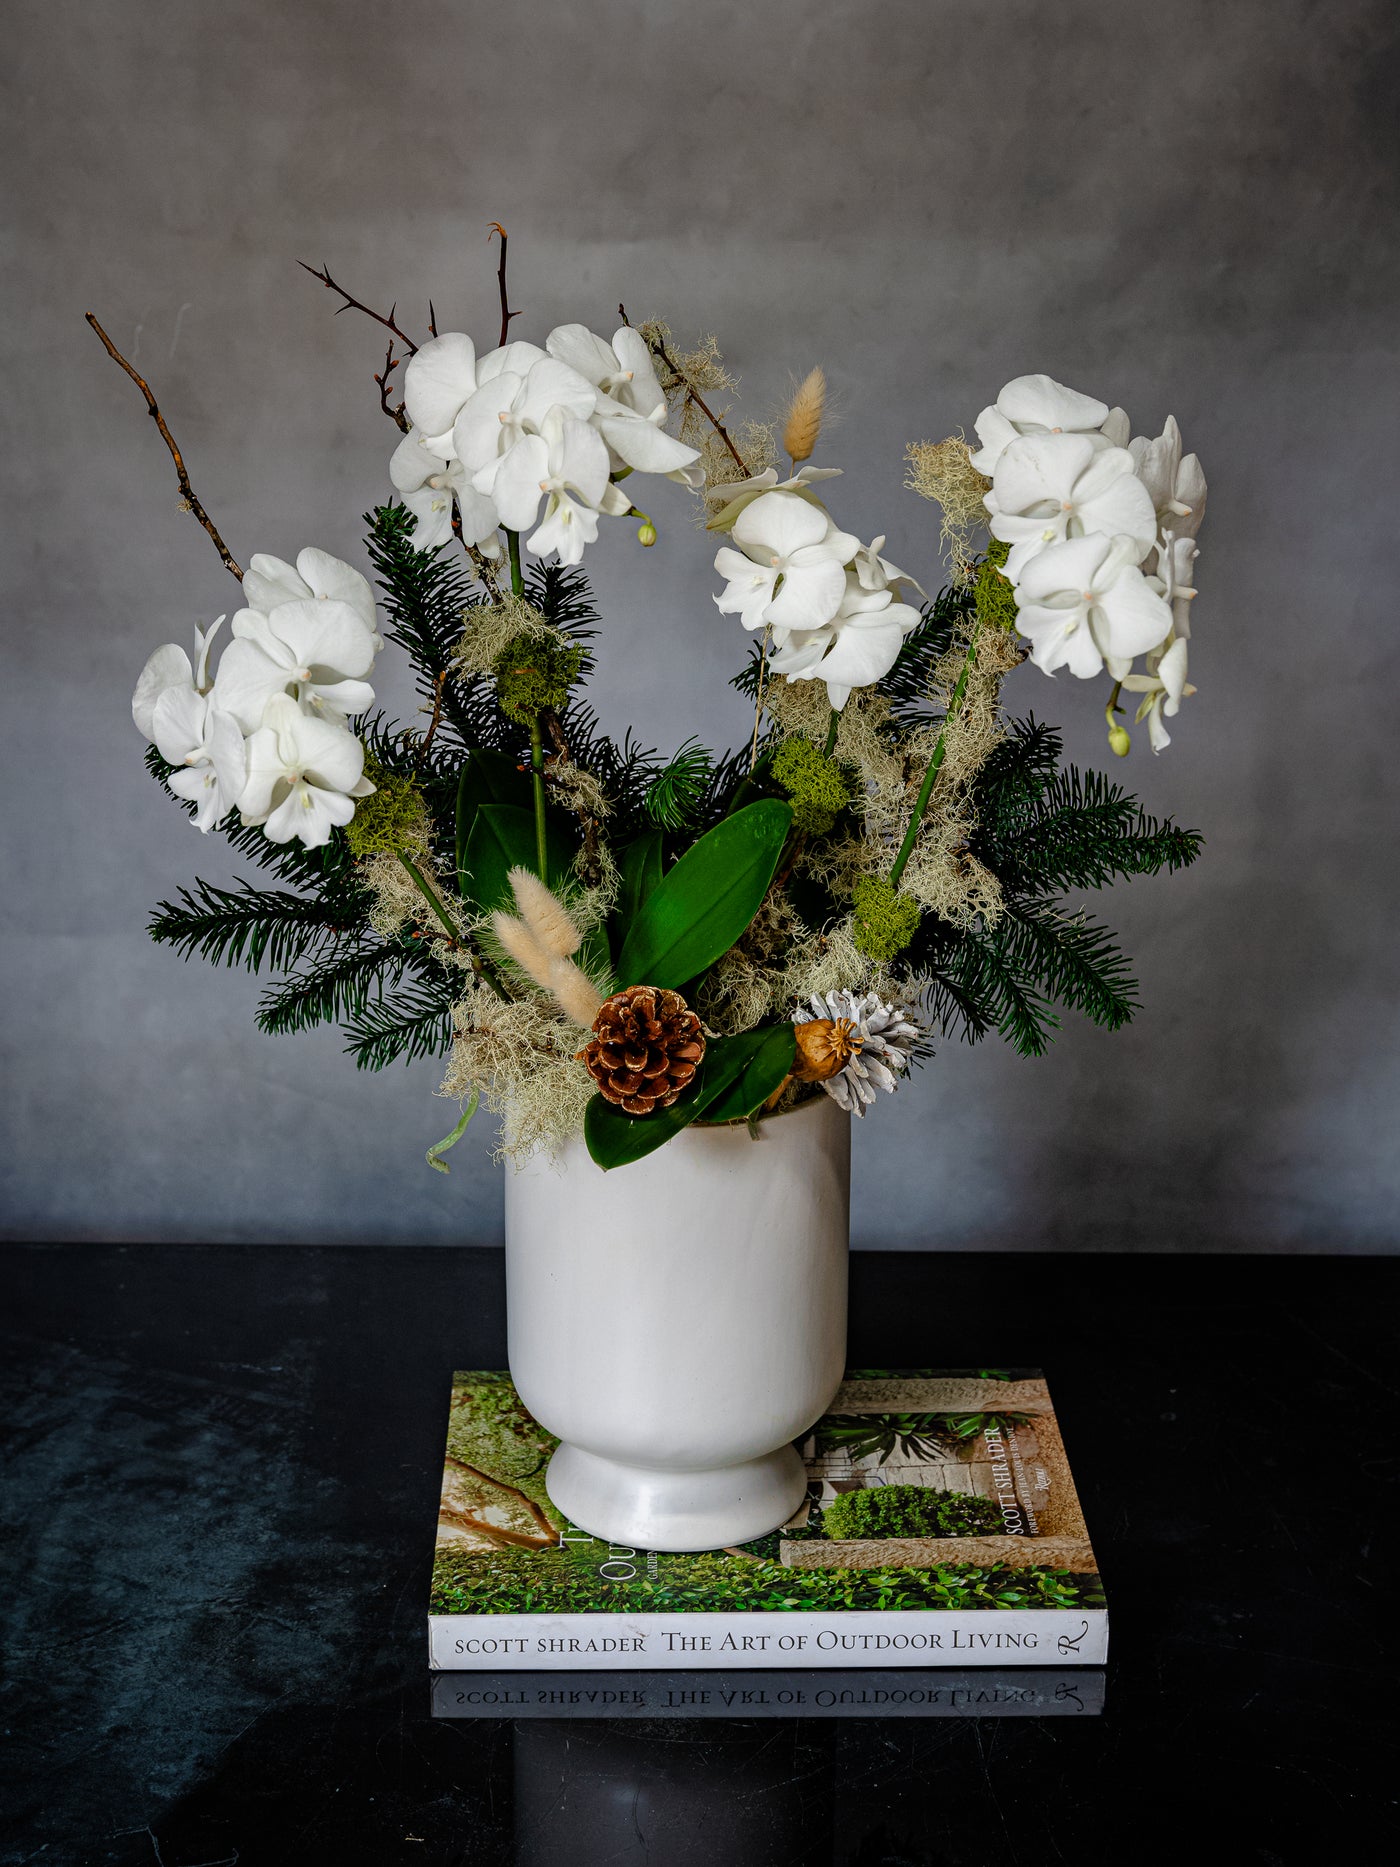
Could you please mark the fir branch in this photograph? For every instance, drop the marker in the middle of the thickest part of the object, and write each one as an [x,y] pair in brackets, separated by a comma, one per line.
[992,974]
[1076,960]
[564,597]
[326,993]
[416,1021]
[243,925]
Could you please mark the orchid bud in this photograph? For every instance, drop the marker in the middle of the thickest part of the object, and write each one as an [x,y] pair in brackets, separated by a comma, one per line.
[646,534]
[1119,741]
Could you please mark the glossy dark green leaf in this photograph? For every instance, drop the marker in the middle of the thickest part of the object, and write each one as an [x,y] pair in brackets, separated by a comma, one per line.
[616,1138]
[488,778]
[770,1065]
[640,871]
[501,839]
[700,907]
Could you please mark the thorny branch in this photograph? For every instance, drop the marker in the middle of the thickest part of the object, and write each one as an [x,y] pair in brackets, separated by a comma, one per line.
[189,499]
[506,313]
[353,304]
[659,350]
[396,415]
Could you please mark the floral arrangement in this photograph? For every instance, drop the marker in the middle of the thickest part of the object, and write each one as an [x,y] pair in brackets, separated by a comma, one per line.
[606,941]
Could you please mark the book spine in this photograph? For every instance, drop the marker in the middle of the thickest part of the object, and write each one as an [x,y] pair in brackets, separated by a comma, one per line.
[951,1692]
[617,1642]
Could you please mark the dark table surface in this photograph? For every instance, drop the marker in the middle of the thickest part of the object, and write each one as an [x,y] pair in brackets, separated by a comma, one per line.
[221,1476]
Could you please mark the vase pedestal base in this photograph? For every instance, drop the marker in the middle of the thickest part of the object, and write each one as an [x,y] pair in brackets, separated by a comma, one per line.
[633,1507]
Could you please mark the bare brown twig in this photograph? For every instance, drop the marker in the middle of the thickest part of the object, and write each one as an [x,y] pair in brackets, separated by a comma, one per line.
[189,499]
[506,313]
[658,349]
[353,304]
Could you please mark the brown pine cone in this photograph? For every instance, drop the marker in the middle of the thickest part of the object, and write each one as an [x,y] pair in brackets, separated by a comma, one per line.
[647,1047]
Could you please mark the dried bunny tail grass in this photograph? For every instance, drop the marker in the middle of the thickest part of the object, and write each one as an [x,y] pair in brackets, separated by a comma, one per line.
[803,421]
[541,943]
[578,996]
[544,914]
[521,1058]
[489,628]
[943,472]
[517,940]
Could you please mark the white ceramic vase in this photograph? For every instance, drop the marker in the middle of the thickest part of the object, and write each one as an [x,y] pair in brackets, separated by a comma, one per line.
[680,1321]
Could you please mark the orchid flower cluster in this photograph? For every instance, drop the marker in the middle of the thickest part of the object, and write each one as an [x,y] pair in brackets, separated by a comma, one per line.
[496,439]
[1101,532]
[606,941]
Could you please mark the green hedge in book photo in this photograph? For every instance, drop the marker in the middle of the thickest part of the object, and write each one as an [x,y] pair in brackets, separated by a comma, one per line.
[910,1510]
[520,1581]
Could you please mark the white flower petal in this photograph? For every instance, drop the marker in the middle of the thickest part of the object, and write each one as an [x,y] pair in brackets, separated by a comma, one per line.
[439,378]
[169,666]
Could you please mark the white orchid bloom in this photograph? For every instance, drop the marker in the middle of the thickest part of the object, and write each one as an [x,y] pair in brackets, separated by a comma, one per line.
[1040,405]
[1175,485]
[1163,688]
[173,710]
[303,775]
[1085,603]
[428,486]
[567,462]
[191,731]
[741,493]
[877,573]
[789,571]
[510,407]
[440,380]
[630,404]
[856,648]
[1176,559]
[170,666]
[317,649]
[1049,487]
[269,581]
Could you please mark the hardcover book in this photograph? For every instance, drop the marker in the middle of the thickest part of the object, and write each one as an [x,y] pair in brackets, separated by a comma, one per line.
[940,1529]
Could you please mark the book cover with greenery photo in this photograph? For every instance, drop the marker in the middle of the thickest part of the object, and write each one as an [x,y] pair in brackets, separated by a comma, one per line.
[940,1528]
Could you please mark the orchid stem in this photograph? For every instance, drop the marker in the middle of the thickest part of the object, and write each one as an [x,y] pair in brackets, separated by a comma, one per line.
[430,895]
[517,580]
[831,732]
[537,783]
[935,764]
[758,698]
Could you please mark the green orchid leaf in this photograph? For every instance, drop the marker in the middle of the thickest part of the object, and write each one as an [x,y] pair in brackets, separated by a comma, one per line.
[616,1138]
[770,1065]
[700,907]
[640,871]
[501,839]
[487,778]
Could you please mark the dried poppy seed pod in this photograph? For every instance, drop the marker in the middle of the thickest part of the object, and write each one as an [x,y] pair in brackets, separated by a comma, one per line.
[824,1046]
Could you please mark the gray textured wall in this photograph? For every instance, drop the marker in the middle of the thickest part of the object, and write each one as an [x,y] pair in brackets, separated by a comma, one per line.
[1188,210]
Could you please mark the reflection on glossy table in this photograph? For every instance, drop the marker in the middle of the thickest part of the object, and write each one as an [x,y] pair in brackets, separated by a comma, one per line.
[220,1493]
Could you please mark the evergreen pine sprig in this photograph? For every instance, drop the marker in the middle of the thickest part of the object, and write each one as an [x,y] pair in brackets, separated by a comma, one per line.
[675,794]
[415,1022]
[328,993]
[245,926]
